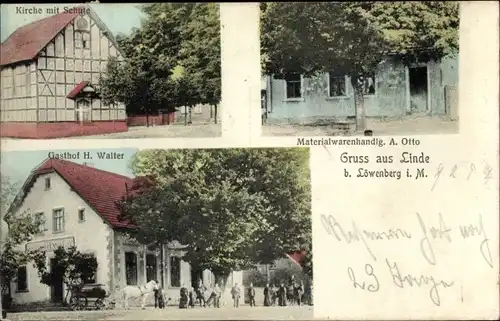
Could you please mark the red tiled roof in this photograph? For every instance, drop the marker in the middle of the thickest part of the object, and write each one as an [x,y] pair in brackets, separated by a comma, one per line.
[296,257]
[78,88]
[100,189]
[27,41]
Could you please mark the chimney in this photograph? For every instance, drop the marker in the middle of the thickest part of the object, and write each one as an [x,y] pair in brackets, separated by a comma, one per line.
[88,164]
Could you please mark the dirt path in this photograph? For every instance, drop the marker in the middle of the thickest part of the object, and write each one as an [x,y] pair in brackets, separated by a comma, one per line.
[174,313]
[415,126]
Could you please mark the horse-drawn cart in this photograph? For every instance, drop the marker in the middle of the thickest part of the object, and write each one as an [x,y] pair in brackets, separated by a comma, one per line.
[83,295]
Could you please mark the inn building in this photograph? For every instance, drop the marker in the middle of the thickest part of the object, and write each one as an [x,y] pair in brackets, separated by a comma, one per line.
[78,206]
[50,72]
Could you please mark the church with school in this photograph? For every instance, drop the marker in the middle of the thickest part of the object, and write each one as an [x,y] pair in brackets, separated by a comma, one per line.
[78,206]
[50,71]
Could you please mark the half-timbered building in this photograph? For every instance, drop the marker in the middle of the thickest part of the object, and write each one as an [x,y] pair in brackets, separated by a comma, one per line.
[50,72]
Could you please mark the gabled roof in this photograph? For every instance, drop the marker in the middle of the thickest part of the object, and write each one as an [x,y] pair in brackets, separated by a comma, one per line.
[26,42]
[79,88]
[100,189]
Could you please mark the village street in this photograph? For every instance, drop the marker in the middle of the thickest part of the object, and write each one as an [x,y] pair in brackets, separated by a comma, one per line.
[166,131]
[411,126]
[173,313]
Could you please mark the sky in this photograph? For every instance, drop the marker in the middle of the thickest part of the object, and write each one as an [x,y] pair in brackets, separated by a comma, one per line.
[118,17]
[17,165]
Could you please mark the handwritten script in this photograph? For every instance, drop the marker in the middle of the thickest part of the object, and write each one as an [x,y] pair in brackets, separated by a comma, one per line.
[422,234]
[465,171]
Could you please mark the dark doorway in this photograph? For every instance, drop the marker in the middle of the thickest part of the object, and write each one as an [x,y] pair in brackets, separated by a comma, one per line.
[418,90]
[57,290]
[196,277]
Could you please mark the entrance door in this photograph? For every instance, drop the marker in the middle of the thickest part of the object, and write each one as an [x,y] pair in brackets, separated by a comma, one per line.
[83,111]
[419,90]
[57,290]
[196,277]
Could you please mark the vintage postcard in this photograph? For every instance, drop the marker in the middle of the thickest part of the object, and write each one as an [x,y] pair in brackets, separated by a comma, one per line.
[292,213]
[336,68]
[110,71]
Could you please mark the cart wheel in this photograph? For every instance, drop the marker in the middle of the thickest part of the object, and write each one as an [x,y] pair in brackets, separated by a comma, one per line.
[84,303]
[99,304]
[74,303]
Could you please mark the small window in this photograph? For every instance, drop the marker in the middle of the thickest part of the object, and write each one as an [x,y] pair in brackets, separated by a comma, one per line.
[81,215]
[175,271]
[22,279]
[78,39]
[47,183]
[82,39]
[40,221]
[89,278]
[369,85]
[86,40]
[337,85]
[58,220]
[151,267]
[293,86]
[131,268]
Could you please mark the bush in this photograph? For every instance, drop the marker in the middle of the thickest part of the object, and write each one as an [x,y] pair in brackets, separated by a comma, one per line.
[277,276]
[283,275]
[256,277]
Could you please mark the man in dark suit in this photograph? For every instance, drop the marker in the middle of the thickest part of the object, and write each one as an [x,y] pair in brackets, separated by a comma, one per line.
[251,295]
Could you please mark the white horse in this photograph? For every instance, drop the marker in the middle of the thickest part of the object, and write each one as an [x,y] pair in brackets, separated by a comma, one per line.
[138,291]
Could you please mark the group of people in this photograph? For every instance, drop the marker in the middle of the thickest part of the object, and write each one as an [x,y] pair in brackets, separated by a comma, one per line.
[293,294]
[284,295]
[194,296]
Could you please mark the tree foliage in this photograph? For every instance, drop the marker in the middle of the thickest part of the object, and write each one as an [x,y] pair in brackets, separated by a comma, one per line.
[76,268]
[172,60]
[20,229]
[353,38]
[231,208]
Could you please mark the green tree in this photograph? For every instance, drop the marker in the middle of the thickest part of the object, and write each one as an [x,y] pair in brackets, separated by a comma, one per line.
[16,231]
[354,37]
[231,208]
[77,268]
[200,56]
[307,263]
[172,60]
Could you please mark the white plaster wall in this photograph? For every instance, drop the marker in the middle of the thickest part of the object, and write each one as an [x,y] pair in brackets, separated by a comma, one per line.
[90,235]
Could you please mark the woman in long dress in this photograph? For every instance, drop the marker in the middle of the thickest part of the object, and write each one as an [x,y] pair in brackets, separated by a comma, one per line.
[282,296]
[267,296]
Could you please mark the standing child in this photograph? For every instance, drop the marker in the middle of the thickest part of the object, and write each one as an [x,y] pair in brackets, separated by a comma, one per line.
[191,298]
[183,299]
[300,293]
